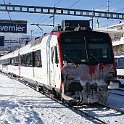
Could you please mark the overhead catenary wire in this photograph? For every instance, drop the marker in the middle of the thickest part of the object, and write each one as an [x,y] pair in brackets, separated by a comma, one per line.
[109,8]
[55,4]
[53,16]
[73,4]
[67,8]
[58,3]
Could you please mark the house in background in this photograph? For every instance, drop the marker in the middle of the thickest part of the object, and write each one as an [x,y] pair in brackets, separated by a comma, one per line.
[116,33]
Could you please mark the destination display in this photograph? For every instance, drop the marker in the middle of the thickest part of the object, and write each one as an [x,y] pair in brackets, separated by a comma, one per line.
[13,26]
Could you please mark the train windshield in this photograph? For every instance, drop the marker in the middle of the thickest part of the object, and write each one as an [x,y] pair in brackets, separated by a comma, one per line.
[99,48]
[89,48]
[74,50]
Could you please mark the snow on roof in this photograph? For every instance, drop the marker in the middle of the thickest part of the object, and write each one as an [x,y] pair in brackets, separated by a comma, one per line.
[109,30]
[116,25]
[115,43]
[119,42]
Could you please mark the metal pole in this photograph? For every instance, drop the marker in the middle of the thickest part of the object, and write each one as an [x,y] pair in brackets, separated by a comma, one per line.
[108,5]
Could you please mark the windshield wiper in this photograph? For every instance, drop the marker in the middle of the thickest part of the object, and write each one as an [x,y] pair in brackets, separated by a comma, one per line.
[69,60]
[94,57]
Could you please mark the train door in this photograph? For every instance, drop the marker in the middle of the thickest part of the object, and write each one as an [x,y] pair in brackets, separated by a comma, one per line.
[54,68]
[53,75]
[48,60]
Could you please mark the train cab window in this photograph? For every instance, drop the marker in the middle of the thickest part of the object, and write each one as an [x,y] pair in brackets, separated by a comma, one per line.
[99,48]
[37,59]
[74,49]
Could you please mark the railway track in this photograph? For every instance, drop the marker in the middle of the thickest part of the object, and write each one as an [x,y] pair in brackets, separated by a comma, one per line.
[91,112]
[98,112]
[84,110]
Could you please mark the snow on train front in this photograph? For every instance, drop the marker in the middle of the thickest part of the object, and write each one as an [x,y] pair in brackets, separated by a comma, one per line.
[85,84]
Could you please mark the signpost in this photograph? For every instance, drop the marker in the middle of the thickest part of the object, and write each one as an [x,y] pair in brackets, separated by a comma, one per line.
[13,26]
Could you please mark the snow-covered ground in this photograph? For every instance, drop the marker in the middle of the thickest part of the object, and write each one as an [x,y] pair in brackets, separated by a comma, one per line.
[20,104]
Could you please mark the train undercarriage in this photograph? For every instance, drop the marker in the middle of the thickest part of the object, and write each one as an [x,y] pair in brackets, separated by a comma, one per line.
[85,93]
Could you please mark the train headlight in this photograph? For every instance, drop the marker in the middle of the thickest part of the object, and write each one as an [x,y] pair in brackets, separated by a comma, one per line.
[110,75]
[70,77]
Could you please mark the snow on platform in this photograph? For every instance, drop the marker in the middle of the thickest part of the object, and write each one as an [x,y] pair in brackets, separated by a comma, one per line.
[20,104]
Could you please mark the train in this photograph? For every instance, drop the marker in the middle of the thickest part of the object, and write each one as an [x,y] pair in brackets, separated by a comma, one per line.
[119,59]
[72,62]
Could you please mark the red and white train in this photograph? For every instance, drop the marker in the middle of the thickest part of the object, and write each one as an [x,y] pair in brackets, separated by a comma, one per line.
[72,61]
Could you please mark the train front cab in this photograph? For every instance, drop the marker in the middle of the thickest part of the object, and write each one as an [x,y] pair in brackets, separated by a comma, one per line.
[87,66]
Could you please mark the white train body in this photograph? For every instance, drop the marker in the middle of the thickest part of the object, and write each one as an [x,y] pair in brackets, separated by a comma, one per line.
[38,75]
[120,69]
[120,65]
[62,62]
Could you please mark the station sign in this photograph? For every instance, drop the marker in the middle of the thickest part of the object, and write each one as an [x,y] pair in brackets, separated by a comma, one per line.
[13,26]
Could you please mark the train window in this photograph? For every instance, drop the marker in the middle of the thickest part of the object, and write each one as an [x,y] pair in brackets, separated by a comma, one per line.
[29,59]
[23,60]
[5,62]
[99,48]
[74,52]
[12,61]
[15,61]
[37,59]
[54,55]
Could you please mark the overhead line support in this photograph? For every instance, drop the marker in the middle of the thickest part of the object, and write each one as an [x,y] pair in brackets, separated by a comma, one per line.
[61,11]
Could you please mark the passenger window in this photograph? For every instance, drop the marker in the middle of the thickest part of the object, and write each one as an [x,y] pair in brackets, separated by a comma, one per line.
[16,61]
[29,60]
[37,59]
[23,60]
